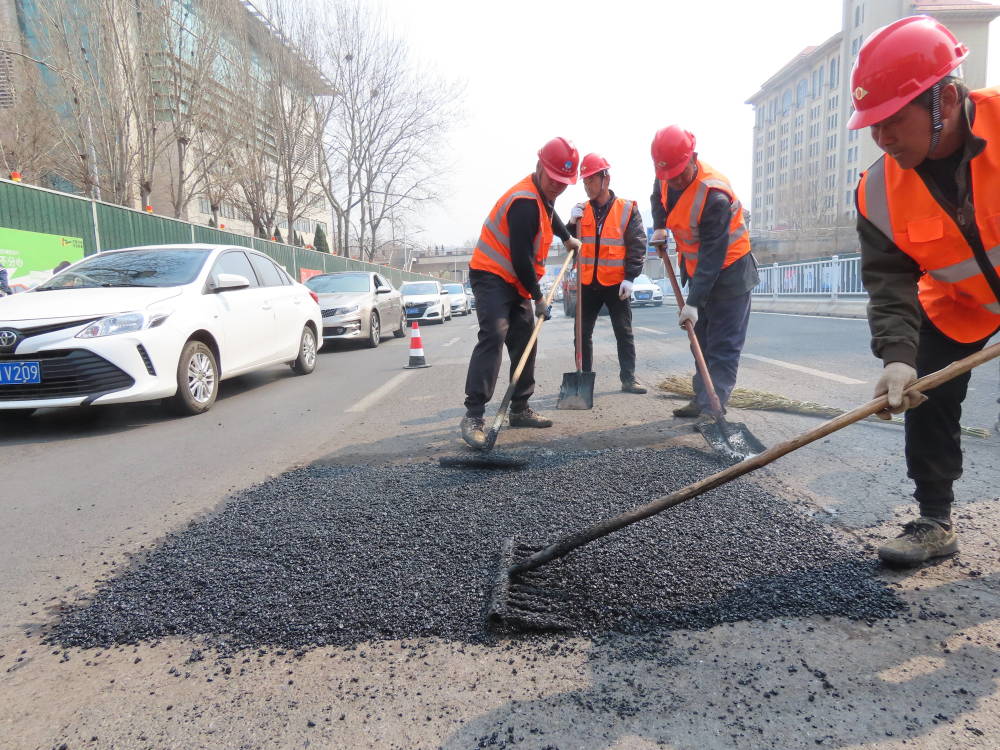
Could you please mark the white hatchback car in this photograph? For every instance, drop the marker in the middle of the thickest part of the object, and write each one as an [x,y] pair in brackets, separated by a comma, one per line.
[152,322]
[425,300]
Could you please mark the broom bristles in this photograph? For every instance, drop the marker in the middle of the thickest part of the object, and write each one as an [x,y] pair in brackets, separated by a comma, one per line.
[745,398]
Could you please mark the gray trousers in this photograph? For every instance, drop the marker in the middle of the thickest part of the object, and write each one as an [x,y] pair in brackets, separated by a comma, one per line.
[721,330]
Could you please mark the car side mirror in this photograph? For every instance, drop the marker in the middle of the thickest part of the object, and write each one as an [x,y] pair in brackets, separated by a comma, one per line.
[444,291]
[226,282]
[383,290]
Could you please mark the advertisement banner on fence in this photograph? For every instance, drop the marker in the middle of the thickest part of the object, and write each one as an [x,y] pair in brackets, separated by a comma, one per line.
[31,257]
[307,273]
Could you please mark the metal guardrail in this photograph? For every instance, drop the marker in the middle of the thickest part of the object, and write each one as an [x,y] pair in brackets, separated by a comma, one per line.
[838,276]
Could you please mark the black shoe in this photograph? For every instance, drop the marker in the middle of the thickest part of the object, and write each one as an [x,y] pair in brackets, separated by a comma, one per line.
[473,432]
[633,386]
[528,418]
[690,409]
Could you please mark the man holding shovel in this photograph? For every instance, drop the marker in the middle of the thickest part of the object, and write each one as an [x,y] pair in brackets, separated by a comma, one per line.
[612,255]
[702,211]
[929,238]
[506,265]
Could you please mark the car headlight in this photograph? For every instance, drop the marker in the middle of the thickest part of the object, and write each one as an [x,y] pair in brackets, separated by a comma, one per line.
[122,323]
[345,310]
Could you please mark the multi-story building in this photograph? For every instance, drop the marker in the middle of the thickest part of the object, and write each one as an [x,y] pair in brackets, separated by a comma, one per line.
[806,162]
[23,31]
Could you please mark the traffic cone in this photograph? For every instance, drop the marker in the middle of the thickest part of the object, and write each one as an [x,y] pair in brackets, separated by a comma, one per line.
[417,359]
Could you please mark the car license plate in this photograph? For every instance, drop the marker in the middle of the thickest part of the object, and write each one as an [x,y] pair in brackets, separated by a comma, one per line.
[16,373]
[642,295]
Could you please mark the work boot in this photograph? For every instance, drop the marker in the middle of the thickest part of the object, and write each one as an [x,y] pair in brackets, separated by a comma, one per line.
[472,432]
[633,386]
[920,541]
[690,409]
[528,418]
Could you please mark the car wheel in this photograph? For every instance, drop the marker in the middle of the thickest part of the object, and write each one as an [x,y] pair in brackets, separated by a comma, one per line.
[657,304]
[401,331]
[197,380]
[305,363]
[374,331]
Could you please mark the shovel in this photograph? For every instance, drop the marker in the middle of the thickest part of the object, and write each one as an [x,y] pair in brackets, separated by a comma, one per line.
[731,439]
[577,389]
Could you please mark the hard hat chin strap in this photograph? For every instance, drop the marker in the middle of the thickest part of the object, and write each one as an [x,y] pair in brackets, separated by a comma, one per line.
[936,123]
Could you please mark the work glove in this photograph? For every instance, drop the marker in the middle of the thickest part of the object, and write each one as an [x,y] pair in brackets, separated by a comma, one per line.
[576,212]
[896,378]
[688,312]
[542,310]
[625,289]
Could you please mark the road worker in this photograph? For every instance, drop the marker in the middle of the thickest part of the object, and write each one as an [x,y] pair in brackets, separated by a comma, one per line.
[928,249]
[504,271]
[611,256]
[701,210]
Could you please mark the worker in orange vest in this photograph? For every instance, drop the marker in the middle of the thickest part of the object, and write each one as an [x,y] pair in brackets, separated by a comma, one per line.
[699,207]
[504,271]
[928,249]
[612,255]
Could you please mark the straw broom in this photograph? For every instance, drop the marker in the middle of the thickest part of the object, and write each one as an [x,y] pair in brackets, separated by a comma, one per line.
[744,398]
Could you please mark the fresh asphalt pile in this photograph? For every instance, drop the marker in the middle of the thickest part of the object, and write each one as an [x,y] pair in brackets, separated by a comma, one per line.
[335,555]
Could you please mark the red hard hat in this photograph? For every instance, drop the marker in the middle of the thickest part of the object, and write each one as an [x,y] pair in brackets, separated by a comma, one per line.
[592,164]
[899,62]
[672,150]
[560,159]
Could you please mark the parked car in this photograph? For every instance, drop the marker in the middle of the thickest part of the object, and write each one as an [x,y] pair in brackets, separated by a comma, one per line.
[358,305]
[425,300]
[458,299]
[645,292]
[470,296]
[148,323]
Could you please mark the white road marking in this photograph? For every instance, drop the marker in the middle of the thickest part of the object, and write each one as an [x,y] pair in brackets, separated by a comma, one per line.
[474,326]
[807,370]
[651,330]
[453,341]
[379,393]
[814,317]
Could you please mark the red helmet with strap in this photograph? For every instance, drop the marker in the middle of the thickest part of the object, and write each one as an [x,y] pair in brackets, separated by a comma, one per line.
[560,158]
[672,150]
[899,62]
[592,164]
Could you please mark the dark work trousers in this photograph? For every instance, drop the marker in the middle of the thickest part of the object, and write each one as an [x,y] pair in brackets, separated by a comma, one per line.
[593,298]
[933,436]
[505,317]
[721,330]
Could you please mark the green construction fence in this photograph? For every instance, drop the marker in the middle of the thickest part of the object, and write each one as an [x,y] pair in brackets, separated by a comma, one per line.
[104,226]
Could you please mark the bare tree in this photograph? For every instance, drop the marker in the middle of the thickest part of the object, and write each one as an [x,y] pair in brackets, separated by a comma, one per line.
[386,135]
[29,140]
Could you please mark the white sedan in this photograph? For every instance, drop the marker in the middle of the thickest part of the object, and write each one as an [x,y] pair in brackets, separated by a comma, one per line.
[645,292]
[152,322]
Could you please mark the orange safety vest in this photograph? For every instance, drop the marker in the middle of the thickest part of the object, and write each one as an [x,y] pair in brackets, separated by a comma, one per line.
[492,252]
[952,290]
[683,220]
[611,265]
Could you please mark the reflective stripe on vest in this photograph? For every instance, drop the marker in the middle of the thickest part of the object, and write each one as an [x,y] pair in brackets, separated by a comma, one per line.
[610,270]
[492,252]
[953,291]
[683,219]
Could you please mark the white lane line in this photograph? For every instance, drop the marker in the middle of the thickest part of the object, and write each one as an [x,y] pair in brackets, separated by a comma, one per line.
[808,370]
[379,393]
[650,330]
[474,326]
[813,317]
[453,341]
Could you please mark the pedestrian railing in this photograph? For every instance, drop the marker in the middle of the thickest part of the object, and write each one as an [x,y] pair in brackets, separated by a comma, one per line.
[838,276]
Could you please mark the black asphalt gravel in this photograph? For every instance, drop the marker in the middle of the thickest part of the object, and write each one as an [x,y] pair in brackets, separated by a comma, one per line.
[335,555]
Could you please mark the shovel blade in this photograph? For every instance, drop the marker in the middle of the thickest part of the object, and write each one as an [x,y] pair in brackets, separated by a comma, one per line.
[732,439]
[576,391]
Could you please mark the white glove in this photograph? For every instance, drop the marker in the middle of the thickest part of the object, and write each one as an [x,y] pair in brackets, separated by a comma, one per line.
[687,313]
[896,378]
[577,212]
[572,244]
[625,290]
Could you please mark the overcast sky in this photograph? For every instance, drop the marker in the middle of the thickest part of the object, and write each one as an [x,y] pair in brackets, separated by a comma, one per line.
[606,75]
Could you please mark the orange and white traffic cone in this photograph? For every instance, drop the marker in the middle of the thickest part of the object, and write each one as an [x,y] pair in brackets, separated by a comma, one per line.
[417,358]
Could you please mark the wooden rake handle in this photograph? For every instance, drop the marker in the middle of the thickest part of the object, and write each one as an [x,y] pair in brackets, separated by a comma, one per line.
[926,383]
[713,398]
[502,411]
